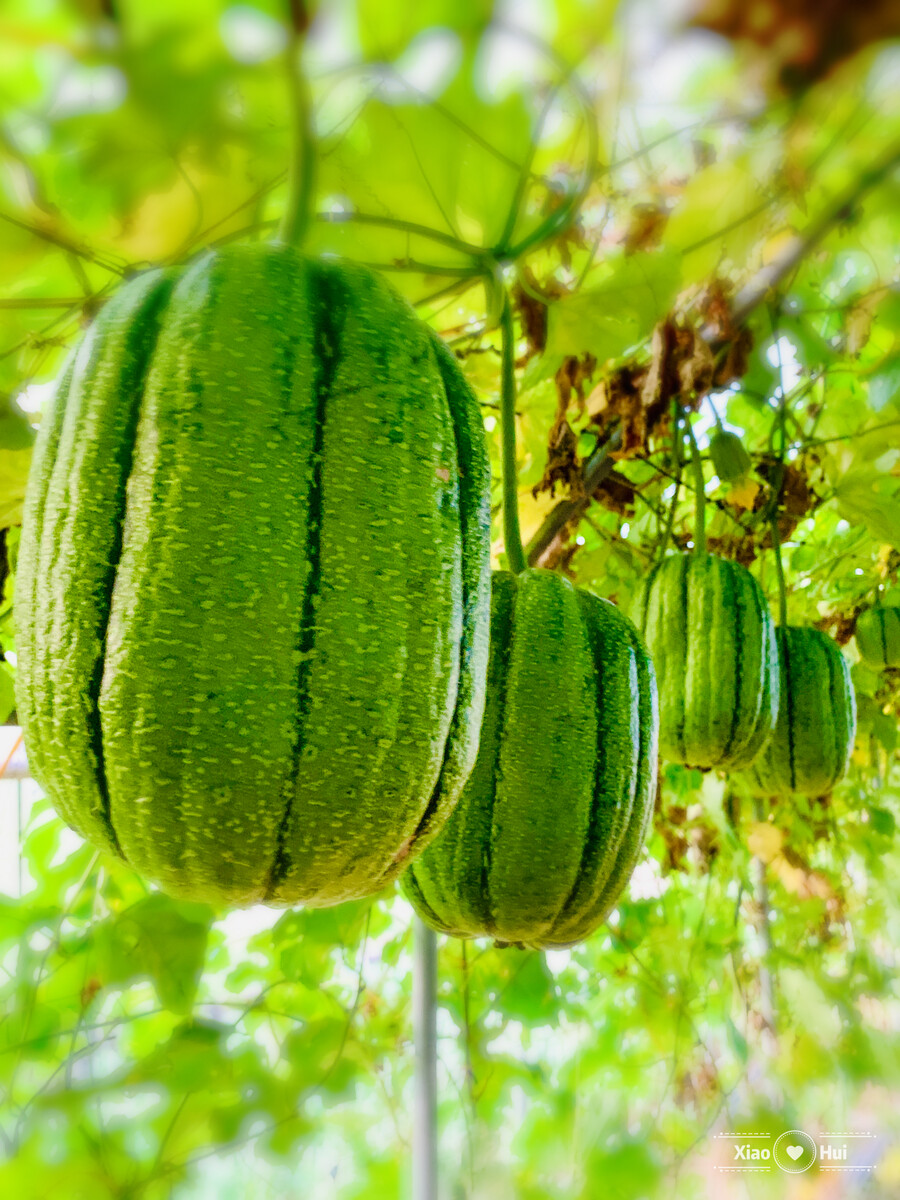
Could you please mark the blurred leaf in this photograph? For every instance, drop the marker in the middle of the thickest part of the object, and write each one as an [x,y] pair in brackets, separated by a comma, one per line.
[862,498]
[160,938]
[607,317]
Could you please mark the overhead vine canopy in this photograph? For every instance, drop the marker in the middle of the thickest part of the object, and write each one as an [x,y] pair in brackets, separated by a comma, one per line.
[694,212]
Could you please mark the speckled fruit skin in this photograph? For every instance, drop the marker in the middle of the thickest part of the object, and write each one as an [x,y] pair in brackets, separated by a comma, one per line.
[552,820]
[878,637]
[813,739]
[712,640]
[253,586]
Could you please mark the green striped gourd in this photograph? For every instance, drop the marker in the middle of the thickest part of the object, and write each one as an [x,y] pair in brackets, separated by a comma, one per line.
[813,738]
[878,637]
[253,589]
[712,641]
[551,822]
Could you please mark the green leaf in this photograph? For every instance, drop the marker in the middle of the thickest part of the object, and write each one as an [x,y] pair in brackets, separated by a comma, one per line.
[882,821]
[884,387]
[616,312]
[14,466]
[874,501]
[7,691]
[160,937]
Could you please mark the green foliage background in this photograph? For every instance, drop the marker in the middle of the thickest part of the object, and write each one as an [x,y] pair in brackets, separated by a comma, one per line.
[612,163]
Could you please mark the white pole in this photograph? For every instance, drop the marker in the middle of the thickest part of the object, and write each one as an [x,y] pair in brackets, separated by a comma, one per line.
[424,1148]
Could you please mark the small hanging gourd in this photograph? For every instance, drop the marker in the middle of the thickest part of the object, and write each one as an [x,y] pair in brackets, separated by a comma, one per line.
[878,637]
[550,825]
[712,640]
[813,738]
[812,741]
[729,456]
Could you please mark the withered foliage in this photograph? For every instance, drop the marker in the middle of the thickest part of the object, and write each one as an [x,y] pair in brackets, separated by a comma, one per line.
[688,359]
[573,377]
[533,315]
[739,547]
[645,227]
[795,499]
[792,43]
[732,343]
[616,493]
[563,464]
[531,300]
[639,396]
[840,626]
[691,841]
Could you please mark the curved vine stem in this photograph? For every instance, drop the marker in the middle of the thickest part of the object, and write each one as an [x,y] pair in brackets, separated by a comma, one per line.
[700,488]
[512,536]
[778,430]
[779,569]
[677,450]
[302,176]
[715,412]
[562,216]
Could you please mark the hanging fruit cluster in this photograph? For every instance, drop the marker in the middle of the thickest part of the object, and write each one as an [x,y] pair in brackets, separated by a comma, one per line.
[253,600]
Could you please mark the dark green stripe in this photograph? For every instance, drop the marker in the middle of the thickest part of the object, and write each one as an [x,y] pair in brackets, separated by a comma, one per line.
[892,625]
[504,640]
[884,648]
[199,700]
[832,761]
[615,767]
[322,310]
[416,897]
[139,348]
[790,709]
[645,796]
[475,529]
[612,853]
[452,874]
[666,632]
[544,789]
[81,541]
[762,676]
[683,633]
[384,675]
[741,635]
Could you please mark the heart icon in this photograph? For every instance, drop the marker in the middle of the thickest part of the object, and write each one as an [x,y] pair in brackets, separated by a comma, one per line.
[794,1151]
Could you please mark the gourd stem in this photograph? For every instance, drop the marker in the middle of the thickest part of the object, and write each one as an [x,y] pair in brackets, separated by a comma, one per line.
[677,439]
[779,570]
[715,412]
[777,485]
[302,173]
[700,488]
[512,536]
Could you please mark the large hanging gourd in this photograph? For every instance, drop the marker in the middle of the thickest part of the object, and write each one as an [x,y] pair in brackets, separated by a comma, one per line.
[878,637]
[550,825]
[813,738]
[253,587]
